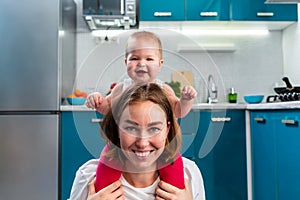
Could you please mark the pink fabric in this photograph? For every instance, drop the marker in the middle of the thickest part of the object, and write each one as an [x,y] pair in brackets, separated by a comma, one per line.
[108,171]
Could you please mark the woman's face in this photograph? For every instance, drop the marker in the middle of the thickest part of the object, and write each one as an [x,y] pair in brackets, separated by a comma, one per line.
[143,130]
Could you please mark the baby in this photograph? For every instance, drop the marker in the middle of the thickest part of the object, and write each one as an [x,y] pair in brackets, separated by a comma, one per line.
[143,59]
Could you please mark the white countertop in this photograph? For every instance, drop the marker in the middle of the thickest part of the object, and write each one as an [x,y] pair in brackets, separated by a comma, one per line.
[217,106]
[201,106]
[275,105]
[75,108]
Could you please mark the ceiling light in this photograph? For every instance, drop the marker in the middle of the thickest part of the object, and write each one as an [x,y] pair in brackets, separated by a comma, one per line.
[229,32]
[110,33]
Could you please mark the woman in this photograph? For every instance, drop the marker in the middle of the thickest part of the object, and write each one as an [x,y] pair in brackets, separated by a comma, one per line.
[142,131]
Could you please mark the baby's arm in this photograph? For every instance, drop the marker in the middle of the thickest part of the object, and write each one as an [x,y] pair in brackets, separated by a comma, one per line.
[188,95]
[183,105]
[99,102]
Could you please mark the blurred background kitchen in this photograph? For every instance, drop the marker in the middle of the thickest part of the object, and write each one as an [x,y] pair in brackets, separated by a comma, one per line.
[253,61]
[51,48]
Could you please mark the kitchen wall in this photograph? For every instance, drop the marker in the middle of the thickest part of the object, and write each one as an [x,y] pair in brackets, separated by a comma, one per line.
[254,65]
[291,46]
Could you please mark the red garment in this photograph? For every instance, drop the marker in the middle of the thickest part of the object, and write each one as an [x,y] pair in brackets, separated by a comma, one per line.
[105,174]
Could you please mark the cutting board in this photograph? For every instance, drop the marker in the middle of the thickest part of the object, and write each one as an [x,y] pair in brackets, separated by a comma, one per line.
[183,77]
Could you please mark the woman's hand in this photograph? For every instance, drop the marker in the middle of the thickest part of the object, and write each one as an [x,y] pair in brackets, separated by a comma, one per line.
[112,192]
[166,191]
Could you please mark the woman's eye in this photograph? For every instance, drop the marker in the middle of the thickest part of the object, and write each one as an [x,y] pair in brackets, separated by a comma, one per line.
[154,130]
[130,129]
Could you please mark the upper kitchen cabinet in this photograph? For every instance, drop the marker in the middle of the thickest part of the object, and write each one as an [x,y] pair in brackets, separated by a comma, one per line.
[258,10]
[208,10]
[219,10]
[162,10]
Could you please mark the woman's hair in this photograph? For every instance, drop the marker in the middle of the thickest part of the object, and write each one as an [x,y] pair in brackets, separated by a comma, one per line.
[140,93]
[146,36]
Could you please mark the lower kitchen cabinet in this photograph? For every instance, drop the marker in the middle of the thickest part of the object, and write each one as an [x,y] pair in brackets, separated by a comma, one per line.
[80,142]
[189,126]
[275,141]
[221,154]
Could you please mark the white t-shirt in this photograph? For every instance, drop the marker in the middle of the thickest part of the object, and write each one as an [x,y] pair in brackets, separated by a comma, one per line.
[87,172]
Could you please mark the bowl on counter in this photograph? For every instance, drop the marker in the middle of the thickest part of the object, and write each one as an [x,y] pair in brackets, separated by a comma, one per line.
[76,101]
[257,98]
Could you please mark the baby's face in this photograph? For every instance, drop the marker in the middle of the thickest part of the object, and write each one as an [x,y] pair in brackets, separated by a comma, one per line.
[143,61]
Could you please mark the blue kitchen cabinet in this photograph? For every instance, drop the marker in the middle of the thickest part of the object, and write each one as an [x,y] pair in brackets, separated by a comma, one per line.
[162,10]
[258,10]
[275,136]
[205,10]
[263,156]
[288,143]
[80,142]
[221,154]
[208,10]
[189,126]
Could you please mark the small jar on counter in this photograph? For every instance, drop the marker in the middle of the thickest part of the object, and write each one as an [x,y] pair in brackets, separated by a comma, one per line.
[232,96]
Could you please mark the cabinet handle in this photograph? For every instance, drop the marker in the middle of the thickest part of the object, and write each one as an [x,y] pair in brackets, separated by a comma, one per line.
[220,119]
[259,119]
[162,14]
[265,14]
[208,14]
[96,120]
[289,121]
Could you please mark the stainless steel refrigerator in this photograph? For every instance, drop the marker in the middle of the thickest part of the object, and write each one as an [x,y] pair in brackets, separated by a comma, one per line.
[29,99]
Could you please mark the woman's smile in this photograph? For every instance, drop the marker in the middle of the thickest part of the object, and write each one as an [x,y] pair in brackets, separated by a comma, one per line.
[143,154]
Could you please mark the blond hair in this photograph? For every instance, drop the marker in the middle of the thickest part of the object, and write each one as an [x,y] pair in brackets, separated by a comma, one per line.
[139,36]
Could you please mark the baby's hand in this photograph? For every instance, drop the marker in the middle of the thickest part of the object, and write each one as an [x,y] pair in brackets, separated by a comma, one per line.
[94,100]
[188,93]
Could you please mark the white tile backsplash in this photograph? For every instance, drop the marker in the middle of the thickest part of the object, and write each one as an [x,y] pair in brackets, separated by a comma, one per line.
[291,45]
[253,68]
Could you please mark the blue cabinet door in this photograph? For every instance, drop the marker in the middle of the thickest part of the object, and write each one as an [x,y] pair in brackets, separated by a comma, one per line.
[80,142]
[288,143]
[162,10]
[259,11]
[263,156]
[275,154]
[207,9]
[221,154]
[189,127]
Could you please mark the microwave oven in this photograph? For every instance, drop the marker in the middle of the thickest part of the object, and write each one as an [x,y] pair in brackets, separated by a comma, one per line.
[110,14]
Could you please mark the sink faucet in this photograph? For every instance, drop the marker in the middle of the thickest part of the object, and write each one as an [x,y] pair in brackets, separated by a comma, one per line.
[212,90]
